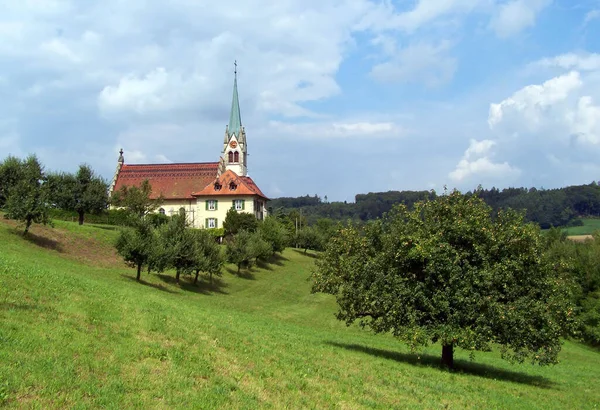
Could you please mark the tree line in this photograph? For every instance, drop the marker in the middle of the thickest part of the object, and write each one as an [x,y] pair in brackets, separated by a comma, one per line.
[547,208]
[28,193]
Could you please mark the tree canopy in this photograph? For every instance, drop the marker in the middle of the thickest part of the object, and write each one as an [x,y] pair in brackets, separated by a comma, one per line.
[448,272]
[82,192]
[137,200]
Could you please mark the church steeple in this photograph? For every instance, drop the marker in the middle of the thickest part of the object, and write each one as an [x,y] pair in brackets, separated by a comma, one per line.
[235,118]
[234,144]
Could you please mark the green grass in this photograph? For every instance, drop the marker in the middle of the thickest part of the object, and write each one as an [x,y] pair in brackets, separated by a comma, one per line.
[77,333]
[590,225]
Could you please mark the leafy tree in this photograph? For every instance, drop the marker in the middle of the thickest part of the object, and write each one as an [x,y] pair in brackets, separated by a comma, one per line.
[274,233]
[136,244]
[448,272]
[180,245]
[259,248]
[10,174]
[208,257]
[27,199]
[238,250]
[309,238]
[137,200]
[237,221]
[83,192]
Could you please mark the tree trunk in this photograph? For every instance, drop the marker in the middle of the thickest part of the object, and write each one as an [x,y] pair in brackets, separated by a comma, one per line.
[239,267]
[448,356]
[196,278]
[210,277]
[27,225]
[139,271]
[177,276]
[80,217]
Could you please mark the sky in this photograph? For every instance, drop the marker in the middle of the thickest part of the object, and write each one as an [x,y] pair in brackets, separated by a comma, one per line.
[338,97]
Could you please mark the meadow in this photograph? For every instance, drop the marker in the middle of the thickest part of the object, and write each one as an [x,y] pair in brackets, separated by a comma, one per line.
[77,331]
[590,225]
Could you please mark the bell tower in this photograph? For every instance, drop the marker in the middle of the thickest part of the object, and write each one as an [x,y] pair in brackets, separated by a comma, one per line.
[234,152]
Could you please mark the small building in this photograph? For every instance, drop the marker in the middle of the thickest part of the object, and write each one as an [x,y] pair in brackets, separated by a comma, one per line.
[205,191]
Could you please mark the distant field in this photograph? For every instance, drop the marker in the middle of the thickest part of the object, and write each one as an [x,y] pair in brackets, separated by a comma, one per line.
[76,330]
[590,225]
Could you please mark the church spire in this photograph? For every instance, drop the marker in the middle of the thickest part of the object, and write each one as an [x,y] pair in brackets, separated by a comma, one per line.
[235,118]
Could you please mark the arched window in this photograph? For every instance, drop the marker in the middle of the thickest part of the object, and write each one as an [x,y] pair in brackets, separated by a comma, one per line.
[230,156]
[161,211]
[236,157]
[182,211]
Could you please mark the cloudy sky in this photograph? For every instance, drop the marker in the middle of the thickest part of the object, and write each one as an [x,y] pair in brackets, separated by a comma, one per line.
[338,97]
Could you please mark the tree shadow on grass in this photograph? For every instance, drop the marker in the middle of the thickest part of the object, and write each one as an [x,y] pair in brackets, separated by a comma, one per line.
[460,366]
[42,242]
[278,259]
[310,254]
[105,227]
[245,273]
[152,285]
[185,283]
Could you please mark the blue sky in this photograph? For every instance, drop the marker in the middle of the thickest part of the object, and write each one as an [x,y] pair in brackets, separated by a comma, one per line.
[338,97]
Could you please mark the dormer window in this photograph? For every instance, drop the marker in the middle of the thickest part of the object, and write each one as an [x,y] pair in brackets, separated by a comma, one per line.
[232,186]
[217,186]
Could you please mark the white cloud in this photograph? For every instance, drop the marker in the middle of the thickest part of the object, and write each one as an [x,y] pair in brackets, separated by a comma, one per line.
[532,104]
[591,16]
[572,61]
[418,62]
[347,129]
[60,49]
[477,164]
[514,16]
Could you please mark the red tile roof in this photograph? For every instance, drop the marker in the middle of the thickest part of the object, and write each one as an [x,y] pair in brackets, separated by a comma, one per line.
[244,186]
[173,181]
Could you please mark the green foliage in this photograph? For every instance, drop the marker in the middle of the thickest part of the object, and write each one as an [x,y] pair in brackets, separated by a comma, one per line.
[27,199]
[238,251]
[239,221]
[259,248]
[310,238]
[581,262]
[179,246]
[137,200]
[208,257]
[136,244]
[10,174]
[216,233]
[274,233]
[447,272]
[83,192]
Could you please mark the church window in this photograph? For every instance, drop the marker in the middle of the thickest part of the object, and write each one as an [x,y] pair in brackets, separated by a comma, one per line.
[161,211]
[238,204]
[230,156]
[236,156]
[211,205]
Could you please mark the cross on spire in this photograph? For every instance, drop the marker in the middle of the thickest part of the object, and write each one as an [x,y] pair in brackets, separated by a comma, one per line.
[235,67]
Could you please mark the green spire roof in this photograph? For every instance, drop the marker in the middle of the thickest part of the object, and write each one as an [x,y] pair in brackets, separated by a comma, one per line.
[235,119]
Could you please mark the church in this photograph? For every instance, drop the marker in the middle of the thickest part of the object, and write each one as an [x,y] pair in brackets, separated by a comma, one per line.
[205,191]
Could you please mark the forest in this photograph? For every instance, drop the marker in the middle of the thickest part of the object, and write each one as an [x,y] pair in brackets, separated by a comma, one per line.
[547,207]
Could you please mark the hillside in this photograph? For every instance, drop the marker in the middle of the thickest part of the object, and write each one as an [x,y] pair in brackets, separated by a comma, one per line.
[76,330]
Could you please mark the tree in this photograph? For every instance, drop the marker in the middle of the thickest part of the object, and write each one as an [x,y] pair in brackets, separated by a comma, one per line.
[448,272]
[27,199]
[208,257]
[273,232]
[238,250]
[136,244]
[309,238]
[137,200]
[180,245]
[260,249]
[237,221]
[83,192]
[10,174]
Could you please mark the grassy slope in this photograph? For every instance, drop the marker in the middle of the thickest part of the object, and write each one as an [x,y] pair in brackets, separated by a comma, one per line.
[590,225]
[77,333]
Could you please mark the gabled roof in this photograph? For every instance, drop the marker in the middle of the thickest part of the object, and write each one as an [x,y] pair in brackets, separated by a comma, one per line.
[243,186]
[173,181]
